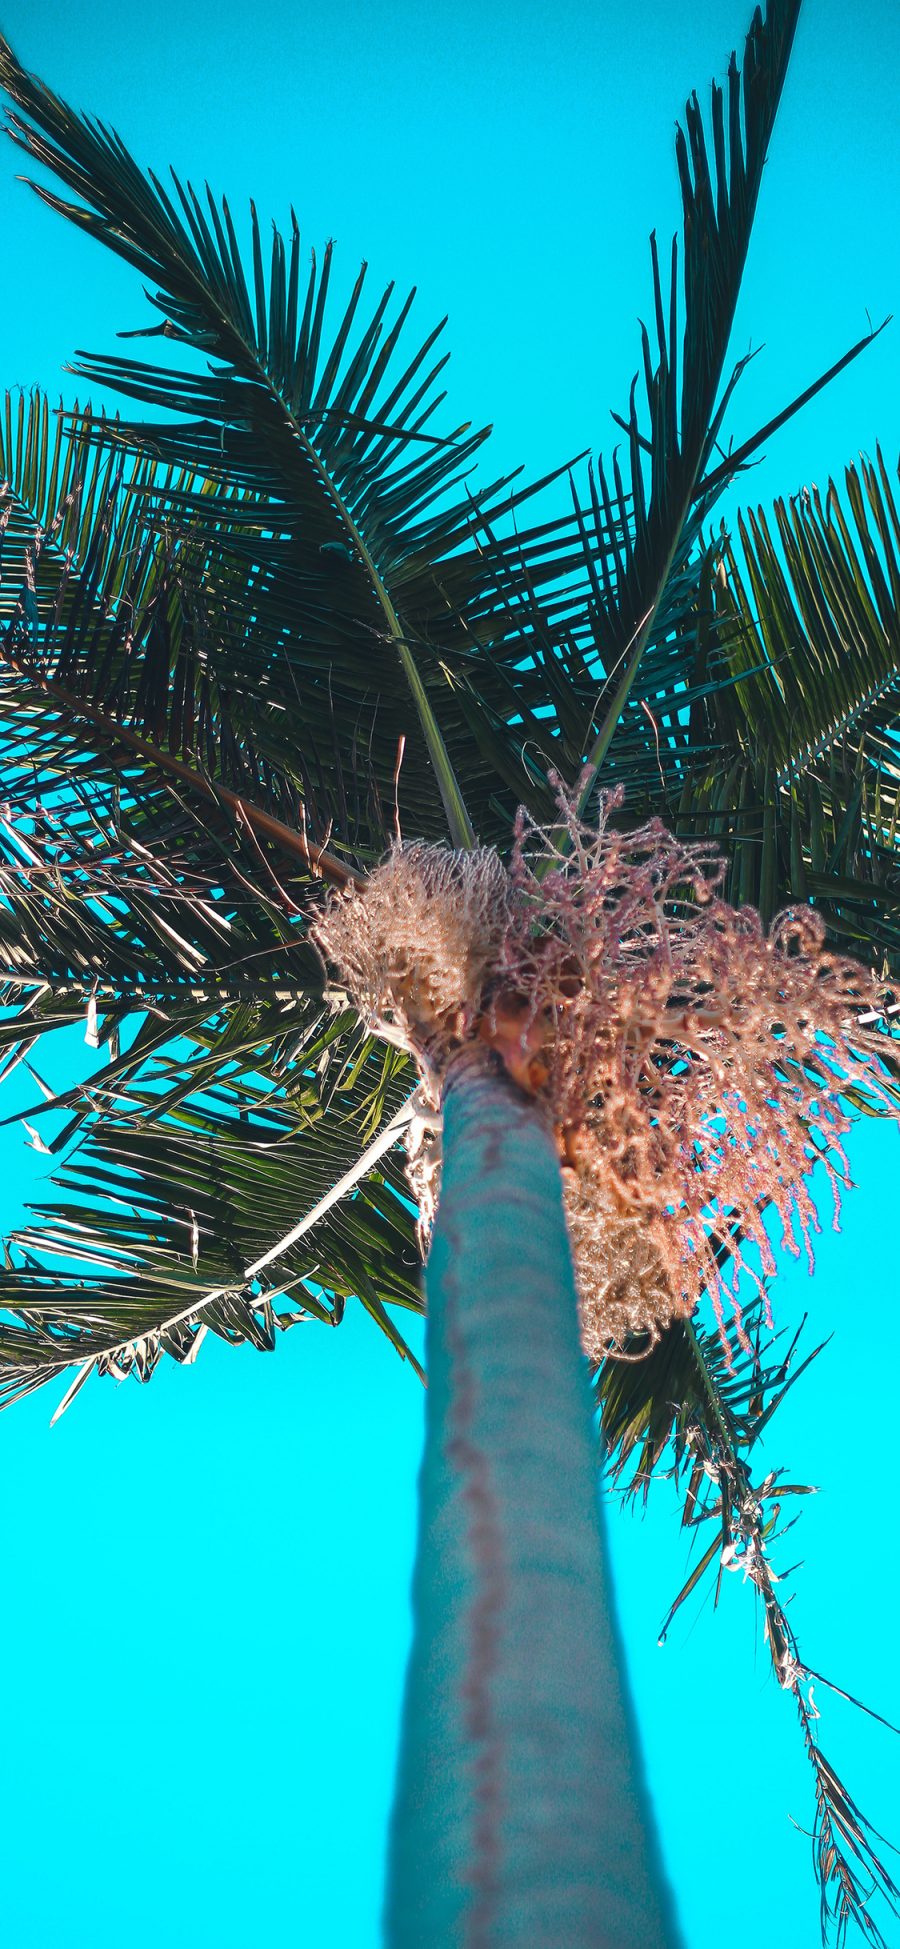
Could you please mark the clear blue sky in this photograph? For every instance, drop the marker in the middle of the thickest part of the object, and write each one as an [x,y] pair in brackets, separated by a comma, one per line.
[203,1585]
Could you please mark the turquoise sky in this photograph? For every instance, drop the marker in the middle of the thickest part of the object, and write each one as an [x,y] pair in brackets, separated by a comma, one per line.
[203,1585]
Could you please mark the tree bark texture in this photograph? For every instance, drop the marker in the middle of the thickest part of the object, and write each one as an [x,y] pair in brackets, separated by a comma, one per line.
[521,1820]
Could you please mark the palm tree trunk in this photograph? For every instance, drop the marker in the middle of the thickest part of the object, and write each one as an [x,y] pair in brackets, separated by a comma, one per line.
[521,1816]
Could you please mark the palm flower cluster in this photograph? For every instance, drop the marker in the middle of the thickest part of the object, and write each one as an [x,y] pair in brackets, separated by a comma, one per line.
[695,1067]
[417,946]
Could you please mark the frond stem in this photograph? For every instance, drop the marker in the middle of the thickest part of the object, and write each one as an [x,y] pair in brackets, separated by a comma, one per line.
[322,864]
[462,831]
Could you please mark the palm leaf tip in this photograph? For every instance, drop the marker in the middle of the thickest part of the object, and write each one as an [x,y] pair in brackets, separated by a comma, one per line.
[720,181]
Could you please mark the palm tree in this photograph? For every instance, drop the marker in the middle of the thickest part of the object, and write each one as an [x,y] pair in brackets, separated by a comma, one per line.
[239,633]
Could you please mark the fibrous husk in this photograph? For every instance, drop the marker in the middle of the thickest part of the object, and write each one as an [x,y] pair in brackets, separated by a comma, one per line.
[416,946]
[621,1280]
[693,1066]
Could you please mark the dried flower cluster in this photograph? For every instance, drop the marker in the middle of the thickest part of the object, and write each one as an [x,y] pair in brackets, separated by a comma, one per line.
[695,1064]
[416,948]
[695,1068]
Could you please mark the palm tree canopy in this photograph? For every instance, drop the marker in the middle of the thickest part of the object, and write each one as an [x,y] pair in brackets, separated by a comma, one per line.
[231,625]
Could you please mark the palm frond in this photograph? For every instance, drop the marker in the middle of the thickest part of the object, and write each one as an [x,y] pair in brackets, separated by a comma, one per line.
[804,792]
[720,176]
[197,1206]
[698,1408]
[102,614]
[622,674]
[124,910]
[354,507]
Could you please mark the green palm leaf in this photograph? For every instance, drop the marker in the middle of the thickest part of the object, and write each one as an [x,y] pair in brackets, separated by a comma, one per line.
[650,571]
[804,790]
[682,375]
[117,654]
[183,1215]
[328,441]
